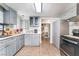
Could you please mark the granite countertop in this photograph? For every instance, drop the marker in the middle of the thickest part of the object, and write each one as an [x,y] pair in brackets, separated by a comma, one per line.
[3,38]
[71,37]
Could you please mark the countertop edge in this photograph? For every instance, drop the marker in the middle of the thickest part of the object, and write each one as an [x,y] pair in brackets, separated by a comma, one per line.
[11,36]
[16,35]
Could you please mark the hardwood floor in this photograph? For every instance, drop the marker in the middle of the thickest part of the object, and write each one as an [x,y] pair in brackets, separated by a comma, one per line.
[45,49]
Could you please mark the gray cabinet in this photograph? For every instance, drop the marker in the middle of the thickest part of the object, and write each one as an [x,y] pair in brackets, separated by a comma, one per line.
[20,45]
[3,51]
[17,44]
[1,15]
[34,21]
[28,39]
[32,39]
[36,40]
[11,48]
[10,16]
[13,16]
[6,16]
[20,42]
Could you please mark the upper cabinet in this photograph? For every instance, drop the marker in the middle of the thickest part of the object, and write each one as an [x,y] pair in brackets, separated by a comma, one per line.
[13,16]
[9,14]
[34,21]
[31,21]
[1,14]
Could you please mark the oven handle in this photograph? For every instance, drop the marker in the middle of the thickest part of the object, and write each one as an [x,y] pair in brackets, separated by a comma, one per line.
[74,42]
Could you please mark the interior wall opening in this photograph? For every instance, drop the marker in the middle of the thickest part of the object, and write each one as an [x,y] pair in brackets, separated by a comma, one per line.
[45,33]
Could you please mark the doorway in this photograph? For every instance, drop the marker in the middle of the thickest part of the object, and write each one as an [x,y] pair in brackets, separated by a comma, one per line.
[45,33]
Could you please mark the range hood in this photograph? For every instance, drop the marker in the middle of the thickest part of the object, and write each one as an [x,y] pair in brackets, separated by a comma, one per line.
[76,17]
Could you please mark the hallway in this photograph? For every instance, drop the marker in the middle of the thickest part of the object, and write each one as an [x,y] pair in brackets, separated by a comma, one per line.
[45,49]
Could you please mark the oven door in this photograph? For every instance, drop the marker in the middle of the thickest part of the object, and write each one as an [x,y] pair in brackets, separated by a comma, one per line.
[68,46]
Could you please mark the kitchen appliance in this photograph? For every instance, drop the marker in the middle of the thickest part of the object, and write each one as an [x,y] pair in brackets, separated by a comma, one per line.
[75,32]
[69,47]
[35,31]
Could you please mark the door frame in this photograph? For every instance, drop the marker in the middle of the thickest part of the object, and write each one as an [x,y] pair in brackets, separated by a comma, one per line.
[50,24]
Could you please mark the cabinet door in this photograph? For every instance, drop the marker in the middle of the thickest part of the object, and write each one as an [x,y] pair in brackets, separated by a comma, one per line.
[18,43]
[1,15]
[36,40]
[6,16]
[10,16]
[28,39]
[22,40]
[13,16]
[36,23]
[11,49]
[31,21]
[3,51]
[3,47]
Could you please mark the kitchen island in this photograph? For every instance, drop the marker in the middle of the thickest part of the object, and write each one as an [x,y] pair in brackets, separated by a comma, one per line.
[10,45]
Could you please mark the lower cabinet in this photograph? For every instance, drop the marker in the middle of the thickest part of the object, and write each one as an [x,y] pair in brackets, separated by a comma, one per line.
[19,42]
[11,48]
[32,39]
[3,51]
[12,45]
[27,39]
[3,47]
[22,40]
[36,40]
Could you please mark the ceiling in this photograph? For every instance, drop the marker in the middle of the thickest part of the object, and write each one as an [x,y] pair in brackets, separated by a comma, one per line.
[48,9]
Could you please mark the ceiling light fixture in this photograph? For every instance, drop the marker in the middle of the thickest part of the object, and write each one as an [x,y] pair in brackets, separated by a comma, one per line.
[38,7]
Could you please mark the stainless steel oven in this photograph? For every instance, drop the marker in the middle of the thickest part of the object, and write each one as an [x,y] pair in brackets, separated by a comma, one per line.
[69,47]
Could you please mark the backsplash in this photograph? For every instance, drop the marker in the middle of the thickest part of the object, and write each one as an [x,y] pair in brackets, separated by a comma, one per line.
[73,25]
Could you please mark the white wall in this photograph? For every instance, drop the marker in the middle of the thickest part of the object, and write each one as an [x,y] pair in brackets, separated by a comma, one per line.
[49,20]
[18,21]
[56,33]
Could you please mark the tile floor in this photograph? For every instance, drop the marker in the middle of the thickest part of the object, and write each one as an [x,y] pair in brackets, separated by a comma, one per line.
[45,49]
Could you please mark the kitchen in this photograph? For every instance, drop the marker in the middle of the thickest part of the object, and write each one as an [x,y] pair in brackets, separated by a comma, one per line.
[19,32]
[69,35]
